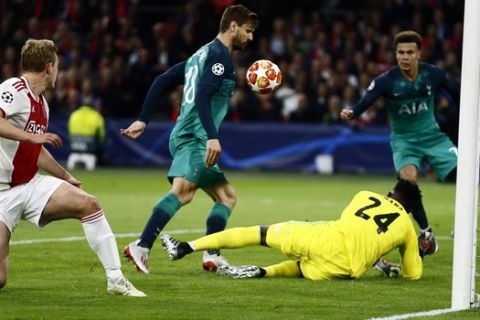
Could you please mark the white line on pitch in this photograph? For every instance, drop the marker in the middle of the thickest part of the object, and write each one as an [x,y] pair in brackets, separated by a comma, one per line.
[417,314]
[127,235]
[122,235]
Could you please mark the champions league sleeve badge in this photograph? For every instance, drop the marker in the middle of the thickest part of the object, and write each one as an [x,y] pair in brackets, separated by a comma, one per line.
[7,97]
[218,69]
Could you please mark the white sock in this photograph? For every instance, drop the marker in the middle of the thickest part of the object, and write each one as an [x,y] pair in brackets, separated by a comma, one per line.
[102,241]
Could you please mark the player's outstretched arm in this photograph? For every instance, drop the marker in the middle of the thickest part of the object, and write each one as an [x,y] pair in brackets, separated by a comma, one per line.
[375,90]
[161,85]
[412,264]
[135,130]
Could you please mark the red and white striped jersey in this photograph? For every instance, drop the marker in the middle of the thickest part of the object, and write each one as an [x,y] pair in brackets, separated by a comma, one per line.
[18,160]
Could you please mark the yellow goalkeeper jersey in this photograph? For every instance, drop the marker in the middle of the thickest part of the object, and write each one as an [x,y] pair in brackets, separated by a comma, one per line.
[371,226]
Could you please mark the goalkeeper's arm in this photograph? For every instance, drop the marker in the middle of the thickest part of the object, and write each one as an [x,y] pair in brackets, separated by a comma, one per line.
[388,269]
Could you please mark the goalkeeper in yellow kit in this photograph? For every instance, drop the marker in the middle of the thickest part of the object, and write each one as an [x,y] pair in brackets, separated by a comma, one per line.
[371,226]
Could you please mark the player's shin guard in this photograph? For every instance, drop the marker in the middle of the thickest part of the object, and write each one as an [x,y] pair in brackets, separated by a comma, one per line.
[229,239]
[102,241]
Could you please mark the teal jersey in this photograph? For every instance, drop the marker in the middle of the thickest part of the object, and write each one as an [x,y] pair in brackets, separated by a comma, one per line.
[410,104]
[209,83]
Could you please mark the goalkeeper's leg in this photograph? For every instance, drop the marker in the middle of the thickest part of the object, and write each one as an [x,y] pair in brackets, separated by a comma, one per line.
[289,268]
[229,239]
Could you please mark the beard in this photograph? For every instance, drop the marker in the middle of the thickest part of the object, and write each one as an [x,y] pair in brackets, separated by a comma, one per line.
[237,44]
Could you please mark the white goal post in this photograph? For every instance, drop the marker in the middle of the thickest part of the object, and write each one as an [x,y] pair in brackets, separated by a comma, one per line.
[466,200]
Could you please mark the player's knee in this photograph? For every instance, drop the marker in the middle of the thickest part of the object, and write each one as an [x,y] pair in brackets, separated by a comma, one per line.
[229,198]
[184,197]
[89,205]
[184,191]
[230,201]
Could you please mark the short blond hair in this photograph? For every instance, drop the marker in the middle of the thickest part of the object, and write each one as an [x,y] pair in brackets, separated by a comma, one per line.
[36,54]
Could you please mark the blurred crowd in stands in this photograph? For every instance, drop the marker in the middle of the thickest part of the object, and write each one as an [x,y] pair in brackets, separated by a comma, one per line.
[329,51]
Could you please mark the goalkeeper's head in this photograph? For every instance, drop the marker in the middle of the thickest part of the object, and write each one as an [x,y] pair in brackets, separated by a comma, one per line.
[407,193]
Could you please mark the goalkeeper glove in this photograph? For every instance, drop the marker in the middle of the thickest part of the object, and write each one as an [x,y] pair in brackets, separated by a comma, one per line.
[389,270]
[426,243]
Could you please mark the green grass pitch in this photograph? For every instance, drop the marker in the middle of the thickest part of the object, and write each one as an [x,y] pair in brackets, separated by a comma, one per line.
[64,280]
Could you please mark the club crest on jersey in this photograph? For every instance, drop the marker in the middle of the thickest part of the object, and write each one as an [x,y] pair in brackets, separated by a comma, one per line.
[7,97]
[218,69]
[35,128]
[429,89]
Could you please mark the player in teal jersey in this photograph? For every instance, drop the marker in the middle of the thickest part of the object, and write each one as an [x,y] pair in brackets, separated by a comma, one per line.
[409,90]
[209,80]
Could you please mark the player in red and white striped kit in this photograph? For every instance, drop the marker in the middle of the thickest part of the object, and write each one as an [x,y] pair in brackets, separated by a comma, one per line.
[41,199]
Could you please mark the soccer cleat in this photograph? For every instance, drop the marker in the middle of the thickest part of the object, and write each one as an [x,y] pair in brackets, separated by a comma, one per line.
[138,255]
[121,286]
[427,244]
[239,272]
[212,260]
[389,270]
[175,249]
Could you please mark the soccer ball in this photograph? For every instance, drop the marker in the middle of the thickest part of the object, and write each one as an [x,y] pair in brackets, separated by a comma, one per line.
[263,76]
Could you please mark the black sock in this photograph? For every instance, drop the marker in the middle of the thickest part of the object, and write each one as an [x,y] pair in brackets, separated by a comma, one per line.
[263,272]
[419,214]
[184,249]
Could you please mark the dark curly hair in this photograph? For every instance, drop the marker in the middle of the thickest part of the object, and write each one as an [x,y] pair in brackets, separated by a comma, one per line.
[408,36]
[407,193]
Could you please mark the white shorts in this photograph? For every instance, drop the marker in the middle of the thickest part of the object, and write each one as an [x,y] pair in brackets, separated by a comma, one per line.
[27,201]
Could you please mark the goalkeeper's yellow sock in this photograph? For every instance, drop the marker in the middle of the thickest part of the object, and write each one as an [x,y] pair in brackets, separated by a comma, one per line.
[230,239]
[287,268]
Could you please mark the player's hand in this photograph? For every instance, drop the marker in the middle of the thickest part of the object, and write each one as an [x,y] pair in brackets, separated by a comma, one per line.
[346,114]
[74,182]
[135,130]
[389,269]
[48,138]
[213,152]
[427,244]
